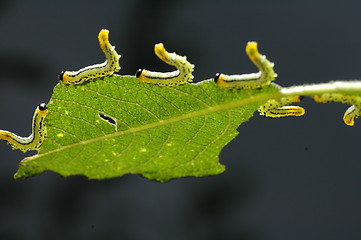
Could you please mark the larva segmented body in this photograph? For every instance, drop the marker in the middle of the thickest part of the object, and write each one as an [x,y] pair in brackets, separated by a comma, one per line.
[180,76]
[263,78]
[88,73]
[260,79]
[351,113]
[39,131]
[277,108]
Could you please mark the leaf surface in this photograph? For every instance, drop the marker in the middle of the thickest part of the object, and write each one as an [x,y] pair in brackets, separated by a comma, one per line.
[160,132]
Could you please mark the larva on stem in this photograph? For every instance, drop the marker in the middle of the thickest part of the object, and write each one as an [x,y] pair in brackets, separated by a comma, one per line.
[180,76]
[351,113]
[35,140]
[277,108]
[88,73]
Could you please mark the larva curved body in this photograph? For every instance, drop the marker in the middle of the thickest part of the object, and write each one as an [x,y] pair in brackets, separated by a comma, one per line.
[272,108]
[351,113]
[253,80]
[180,76]
[277,108]
[35,140]
[107,68]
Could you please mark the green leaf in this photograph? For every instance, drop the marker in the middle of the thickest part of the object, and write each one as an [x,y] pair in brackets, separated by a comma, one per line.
[161,132]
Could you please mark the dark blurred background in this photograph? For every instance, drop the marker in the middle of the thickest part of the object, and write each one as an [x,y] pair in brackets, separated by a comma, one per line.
[291,178]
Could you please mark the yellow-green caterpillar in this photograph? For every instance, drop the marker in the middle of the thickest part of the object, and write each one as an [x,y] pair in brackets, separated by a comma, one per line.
[351,113]
[180,76]
[107,68]
[34,141]
[272,108]
[277,108]
[253,80]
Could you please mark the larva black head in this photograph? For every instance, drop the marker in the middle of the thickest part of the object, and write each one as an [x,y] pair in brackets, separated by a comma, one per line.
[301,98]
[60,76]
[139,72]
[43,106]
[216,77]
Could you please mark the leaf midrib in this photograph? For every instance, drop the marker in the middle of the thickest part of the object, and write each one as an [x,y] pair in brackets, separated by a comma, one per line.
[204,111]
